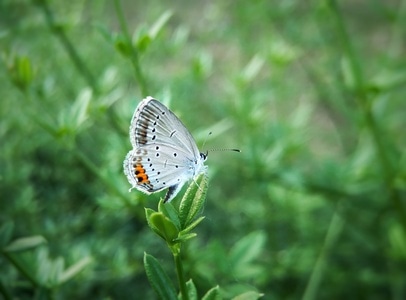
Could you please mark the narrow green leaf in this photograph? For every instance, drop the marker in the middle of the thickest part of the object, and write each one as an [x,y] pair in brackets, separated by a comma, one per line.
[170,212]
[193,225]
[45,268]
[104,31]
[122,46]
[20,71]
[191,290]
[251,295]
[158,279]
[193,200]
[6,231]
[79,110]
[202,64]
[348,73]
[142,42]
[57,267]
[185,237]
[25,71]
[247,249]
[159,24]
[75,269]
[397,241]
[388,79]
[252,69]
[213,294]
[26,243]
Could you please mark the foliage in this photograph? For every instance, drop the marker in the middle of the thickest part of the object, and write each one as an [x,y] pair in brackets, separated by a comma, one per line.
[312,92]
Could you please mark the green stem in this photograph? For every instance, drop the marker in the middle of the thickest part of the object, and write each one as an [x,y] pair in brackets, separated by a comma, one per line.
[349,51]
[133,51]
[179,271]
[333,232]
[4,291]
[106,181]
[361,94]
[397,36]
[21,267]
[60,33]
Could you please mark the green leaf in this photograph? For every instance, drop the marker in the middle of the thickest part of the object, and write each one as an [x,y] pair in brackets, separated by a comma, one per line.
[248,248]
[6,231]
[191,290]
[244,252]
[5,289]
[252,69]
[348,73]
[25,71]
[388,79]
[148,213]
[142,42]
[24,266]
[48,270]
[21,71]
[213,294]
[104,31]
[251,295]
[163,226]
[159,24]
[192,225]
[79,110]
[397,241]
[122,46]
[26,243]
[74,269]
[158,279]
[193,200]
[185,237]
[202,64]
[170,212]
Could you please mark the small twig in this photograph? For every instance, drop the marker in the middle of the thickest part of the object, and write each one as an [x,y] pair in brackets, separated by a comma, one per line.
[67,44]
[133,51]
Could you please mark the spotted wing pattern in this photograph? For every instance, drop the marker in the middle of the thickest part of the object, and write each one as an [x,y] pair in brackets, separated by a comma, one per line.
[164,153]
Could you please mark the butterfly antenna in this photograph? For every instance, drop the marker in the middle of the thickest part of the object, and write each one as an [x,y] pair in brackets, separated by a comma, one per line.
[205,140]
[224,149]
[217,149]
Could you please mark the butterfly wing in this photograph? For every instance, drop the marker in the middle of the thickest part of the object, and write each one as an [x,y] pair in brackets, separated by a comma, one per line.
[165,154]
[153,123]
[154,168]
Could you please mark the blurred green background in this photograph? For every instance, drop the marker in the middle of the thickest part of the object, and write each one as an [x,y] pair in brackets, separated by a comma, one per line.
[312,92]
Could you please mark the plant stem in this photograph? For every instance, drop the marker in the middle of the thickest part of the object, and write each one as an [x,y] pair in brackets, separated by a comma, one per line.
[372,125]
[22,268]
[4,291]
[106,181]
[333,232]
[179,271]
[133,51]
[74,56]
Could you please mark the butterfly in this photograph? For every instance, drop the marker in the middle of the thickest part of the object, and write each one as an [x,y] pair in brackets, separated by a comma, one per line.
[164,154]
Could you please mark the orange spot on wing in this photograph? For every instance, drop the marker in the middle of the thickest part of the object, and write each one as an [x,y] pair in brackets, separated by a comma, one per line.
[142,177]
